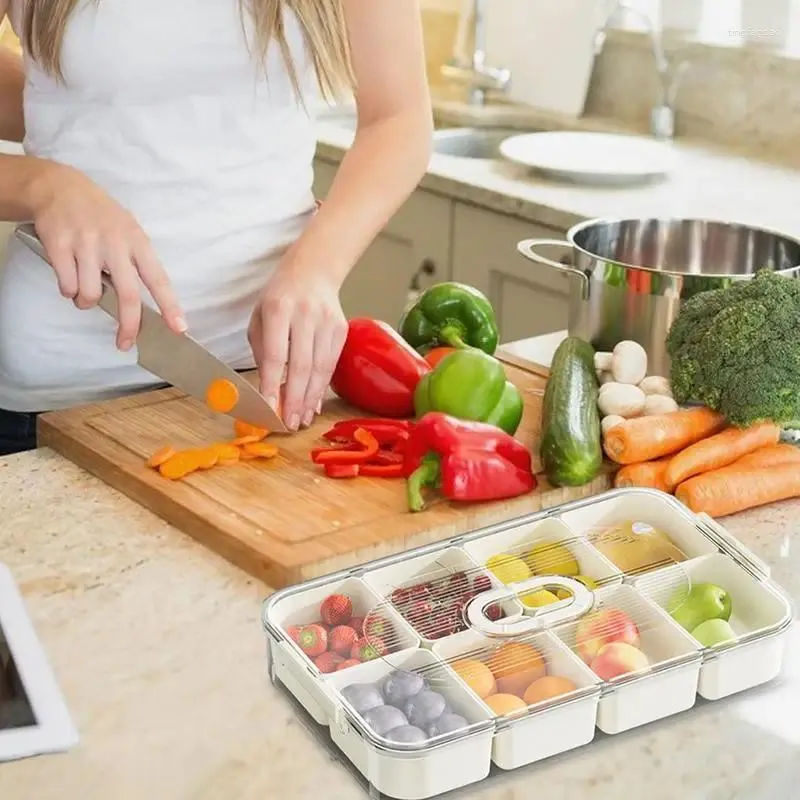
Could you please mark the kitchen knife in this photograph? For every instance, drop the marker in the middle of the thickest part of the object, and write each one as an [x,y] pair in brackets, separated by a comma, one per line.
[176,358]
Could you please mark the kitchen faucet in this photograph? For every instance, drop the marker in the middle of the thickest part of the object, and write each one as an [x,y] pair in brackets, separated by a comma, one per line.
[474,72]
[662,115]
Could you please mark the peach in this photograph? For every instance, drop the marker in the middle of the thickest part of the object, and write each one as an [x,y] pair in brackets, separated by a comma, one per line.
[618,658]
[515,666]
[602,627]
[547,688]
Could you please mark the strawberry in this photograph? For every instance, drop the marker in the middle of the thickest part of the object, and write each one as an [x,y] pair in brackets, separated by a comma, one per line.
[313,640]
[481,583]
[336,609]
[376,626]
[293,632]
[328,662]
[341,640]
[368,649]
[357,624]
[351,662]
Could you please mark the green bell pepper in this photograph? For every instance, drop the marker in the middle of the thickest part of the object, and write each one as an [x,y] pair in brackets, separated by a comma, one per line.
[451,315]
[470,385]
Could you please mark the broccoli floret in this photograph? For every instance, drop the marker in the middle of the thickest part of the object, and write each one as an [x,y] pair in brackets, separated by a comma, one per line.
[737,350]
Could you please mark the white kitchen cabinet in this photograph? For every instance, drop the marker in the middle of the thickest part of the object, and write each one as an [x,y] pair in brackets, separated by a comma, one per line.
[529,299]
[412,252]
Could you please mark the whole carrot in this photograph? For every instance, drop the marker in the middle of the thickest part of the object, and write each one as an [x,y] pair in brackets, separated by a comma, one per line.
[770,456]
[649,438]
[645,474]
[733,489]
[719,451]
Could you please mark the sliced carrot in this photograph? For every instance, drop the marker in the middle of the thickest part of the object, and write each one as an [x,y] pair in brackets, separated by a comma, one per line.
[771,456]
[179,465]
[160,456]
[259,450]
[645,474]
[207,458]
[733,488]
[649,438]
[222,396]
[719,451]
[242,429]
[243,440]
[226,453]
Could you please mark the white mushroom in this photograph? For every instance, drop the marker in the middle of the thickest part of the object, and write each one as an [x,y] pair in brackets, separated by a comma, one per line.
[656,384]
[607,423]
[621,400]
[629,363]
[602,362]
[658,404]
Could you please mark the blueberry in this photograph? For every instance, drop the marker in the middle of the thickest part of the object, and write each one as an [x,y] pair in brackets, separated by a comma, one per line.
[384,719]
[362,696]
[407,734]
[401,685]
[425,708]
[447,723]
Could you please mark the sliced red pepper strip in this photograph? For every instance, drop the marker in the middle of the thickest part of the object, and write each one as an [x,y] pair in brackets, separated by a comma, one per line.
[341,470]
[369,448]
[386,431]
[466,461]
[386,458]
[381,470]
[351,447]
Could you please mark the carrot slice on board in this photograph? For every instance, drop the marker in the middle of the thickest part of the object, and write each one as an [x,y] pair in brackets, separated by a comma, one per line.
[226,453]
[160,456]
[242,429]
[222,396]
[241,441]
[207,458]
[179,465]
[259,450]
[719,451]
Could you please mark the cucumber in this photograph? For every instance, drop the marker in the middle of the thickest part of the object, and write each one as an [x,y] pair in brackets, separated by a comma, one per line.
[571,448]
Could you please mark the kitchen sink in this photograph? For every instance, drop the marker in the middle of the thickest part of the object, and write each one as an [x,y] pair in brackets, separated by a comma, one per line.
[479,143]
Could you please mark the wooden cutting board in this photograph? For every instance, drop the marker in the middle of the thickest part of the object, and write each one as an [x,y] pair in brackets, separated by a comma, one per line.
[281,520]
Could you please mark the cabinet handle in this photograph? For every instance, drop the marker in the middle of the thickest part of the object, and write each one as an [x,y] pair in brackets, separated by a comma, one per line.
[426,268]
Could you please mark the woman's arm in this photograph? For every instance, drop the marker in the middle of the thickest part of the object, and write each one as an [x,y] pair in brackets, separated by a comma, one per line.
[12,83]
[389,155]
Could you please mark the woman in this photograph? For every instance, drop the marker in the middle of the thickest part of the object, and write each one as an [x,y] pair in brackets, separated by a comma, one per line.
[170,143]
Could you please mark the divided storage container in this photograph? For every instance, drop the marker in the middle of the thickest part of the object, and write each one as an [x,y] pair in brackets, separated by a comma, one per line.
[517,642]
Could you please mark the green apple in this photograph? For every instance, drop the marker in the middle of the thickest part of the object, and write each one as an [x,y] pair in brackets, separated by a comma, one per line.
[713,632]
[704,601]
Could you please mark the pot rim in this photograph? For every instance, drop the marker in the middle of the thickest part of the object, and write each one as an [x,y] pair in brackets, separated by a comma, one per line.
[600,221]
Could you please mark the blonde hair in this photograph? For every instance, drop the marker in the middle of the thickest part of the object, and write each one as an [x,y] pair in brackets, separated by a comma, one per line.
[322,22]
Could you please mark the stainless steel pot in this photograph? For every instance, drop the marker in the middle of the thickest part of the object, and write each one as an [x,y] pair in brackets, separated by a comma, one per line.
[629,276]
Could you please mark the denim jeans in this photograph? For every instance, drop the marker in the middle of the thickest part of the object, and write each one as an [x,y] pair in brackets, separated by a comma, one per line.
[17,432]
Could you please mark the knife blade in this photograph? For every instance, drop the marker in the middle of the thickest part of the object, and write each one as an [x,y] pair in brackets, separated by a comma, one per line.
[177,358]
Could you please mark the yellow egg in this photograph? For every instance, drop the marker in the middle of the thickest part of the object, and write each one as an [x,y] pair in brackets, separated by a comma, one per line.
[508,569]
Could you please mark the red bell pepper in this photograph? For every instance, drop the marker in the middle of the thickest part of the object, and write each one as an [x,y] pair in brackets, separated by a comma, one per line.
[341,470]
[387,431]
[378,370]
[467,461]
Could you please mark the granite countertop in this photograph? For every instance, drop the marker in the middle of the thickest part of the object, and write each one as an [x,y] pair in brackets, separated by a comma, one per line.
[707,183]
[157,646]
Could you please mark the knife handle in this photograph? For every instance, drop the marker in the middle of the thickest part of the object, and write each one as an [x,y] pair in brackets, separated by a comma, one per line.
[26,233]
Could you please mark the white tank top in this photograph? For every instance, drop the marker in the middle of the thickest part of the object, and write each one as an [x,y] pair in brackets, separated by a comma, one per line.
[165,108]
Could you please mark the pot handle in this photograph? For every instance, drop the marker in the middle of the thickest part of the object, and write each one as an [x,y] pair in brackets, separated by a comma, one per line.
[527,248]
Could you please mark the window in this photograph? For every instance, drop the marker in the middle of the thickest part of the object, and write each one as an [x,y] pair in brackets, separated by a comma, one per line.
[719,22]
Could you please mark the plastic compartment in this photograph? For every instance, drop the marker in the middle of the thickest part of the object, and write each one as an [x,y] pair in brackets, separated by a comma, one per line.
[414,771]
[556,545]
[667,685]
[620,527]
[396,584]
[296,670]
[759,614]
[544,728]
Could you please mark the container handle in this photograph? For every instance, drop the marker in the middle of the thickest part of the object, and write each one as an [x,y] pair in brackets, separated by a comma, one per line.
[527,248]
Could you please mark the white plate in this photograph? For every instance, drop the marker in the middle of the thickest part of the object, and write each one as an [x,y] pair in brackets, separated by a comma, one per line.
[583,157]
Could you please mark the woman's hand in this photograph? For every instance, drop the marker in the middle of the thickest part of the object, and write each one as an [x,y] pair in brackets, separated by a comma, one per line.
[298,328]
[85,232]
